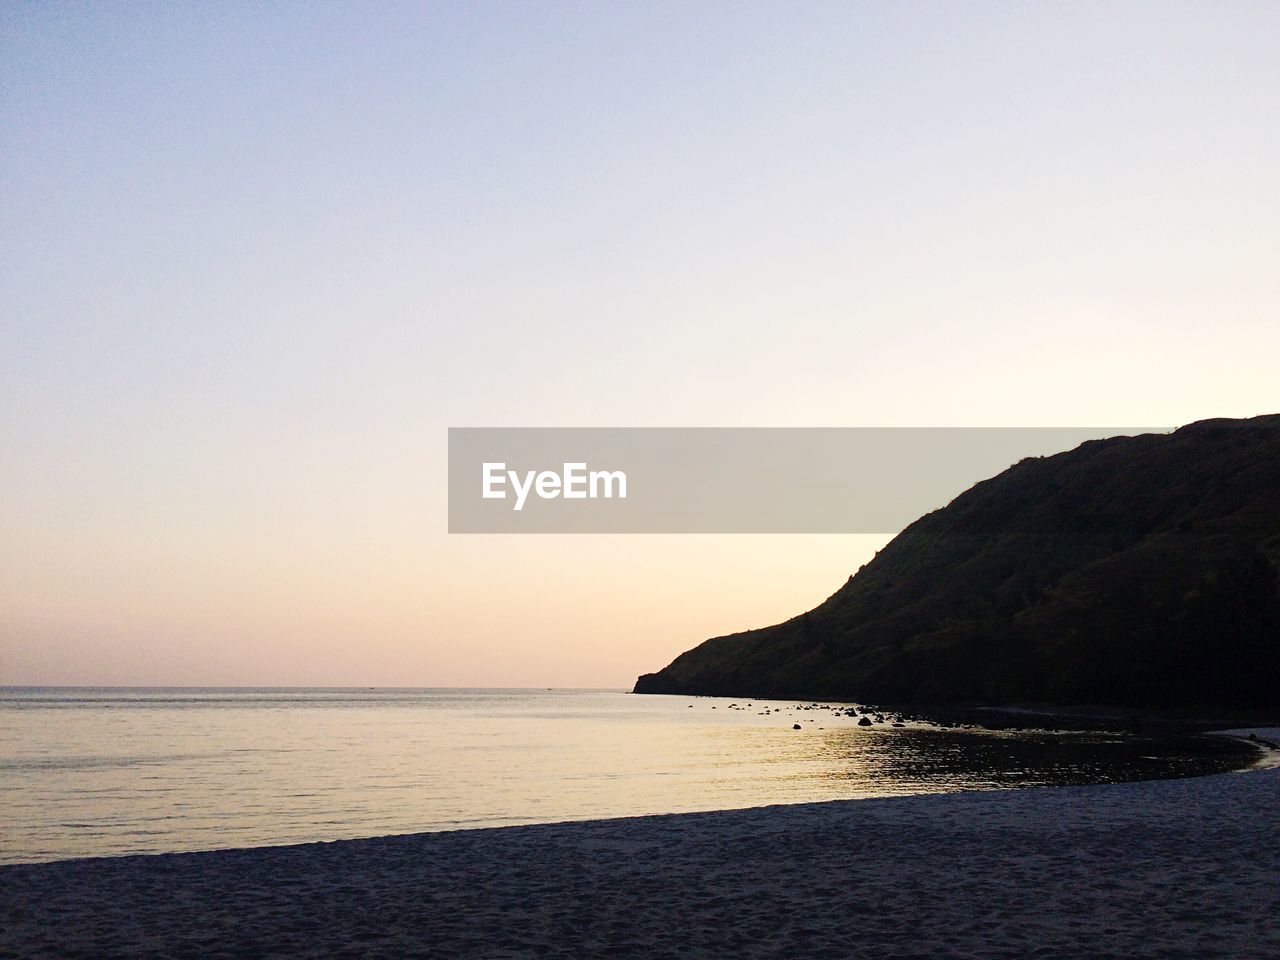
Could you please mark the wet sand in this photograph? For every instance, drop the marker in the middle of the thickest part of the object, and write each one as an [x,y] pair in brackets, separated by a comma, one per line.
[1179,868]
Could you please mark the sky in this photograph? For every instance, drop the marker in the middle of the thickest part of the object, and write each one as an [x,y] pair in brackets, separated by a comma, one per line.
[258,258]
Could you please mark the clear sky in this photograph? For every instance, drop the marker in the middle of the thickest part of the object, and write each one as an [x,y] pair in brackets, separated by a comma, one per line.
[257,258]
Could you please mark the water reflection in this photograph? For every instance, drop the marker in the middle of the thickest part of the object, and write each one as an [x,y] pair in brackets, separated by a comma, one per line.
[929,760]
[87,773]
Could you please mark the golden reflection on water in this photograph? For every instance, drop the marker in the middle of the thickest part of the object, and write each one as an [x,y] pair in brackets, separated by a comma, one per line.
[89,773]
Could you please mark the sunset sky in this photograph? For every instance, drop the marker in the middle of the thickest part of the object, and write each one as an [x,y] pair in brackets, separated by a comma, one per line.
[257,260]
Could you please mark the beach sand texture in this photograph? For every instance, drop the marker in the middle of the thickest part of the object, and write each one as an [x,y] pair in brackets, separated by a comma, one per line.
[1183,868]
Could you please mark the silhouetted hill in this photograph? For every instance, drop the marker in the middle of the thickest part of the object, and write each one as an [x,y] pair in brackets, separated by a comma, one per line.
[1133,571]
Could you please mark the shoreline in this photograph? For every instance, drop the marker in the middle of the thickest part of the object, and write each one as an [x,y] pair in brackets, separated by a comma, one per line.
[1143,868]
[1262,754]
[1085,718]
[1266,739]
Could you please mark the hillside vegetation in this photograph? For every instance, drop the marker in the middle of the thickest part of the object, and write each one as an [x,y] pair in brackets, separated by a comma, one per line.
[1133,571]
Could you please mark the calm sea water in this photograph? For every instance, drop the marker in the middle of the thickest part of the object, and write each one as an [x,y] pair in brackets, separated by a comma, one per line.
[98,772]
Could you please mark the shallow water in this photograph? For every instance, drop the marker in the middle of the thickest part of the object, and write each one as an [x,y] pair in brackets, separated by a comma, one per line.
[100,772]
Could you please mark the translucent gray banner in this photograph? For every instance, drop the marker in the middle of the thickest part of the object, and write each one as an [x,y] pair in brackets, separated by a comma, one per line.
[727,480]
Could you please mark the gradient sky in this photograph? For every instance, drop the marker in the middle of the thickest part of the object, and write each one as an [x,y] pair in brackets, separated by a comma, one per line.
[258,258]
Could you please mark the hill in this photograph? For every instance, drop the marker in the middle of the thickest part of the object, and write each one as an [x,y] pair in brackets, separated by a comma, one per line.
[1135,571]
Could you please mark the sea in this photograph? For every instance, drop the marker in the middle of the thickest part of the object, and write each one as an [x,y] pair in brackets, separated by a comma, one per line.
[114,771]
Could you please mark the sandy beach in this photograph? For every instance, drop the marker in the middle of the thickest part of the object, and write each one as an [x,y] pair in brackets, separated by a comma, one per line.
[1180,868]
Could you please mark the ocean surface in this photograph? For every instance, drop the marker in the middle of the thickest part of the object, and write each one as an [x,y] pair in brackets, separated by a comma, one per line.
[104,772]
